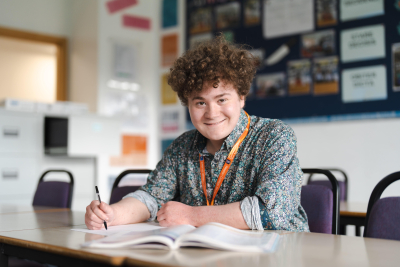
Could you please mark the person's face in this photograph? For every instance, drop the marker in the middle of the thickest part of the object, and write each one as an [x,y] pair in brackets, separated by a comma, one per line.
[215,111]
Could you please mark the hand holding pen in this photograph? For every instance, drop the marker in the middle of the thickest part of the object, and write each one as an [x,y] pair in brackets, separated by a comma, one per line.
[98,196]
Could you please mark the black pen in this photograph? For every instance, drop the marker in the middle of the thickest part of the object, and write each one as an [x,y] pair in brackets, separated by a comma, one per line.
[98,196]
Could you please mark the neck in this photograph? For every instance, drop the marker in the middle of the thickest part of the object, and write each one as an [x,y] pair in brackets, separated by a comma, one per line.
[213,146]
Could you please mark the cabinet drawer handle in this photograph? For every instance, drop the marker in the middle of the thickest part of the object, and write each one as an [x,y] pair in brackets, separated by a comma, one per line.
[10,132]
[9,174]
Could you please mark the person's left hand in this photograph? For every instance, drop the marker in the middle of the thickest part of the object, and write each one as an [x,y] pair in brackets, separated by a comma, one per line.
[175,213]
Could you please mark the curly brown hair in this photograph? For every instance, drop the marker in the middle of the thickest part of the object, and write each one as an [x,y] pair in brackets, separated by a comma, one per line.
[213,61]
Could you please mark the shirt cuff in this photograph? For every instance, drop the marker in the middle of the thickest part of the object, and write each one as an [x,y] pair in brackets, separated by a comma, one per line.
[146,199]
[251,213]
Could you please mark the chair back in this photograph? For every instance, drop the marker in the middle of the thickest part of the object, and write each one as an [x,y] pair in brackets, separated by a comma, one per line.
[117,193]
[383,214]
[322,208]
[54,193]
[317,201]
[343,185]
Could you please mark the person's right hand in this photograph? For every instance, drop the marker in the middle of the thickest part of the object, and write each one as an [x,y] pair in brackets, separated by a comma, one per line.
[97,213]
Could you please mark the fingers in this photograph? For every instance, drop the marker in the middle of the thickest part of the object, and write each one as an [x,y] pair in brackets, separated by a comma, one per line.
[94,216]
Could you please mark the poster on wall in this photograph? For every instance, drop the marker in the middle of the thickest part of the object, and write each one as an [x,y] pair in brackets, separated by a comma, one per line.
[396,66]
[169,13]
[170,121]
[326,76]
[326,13]
[168,96]
[299,77]
[130,107]
[134,151]
[125,61]
[281,18]
[356,9]
[252,12]
[169,49]
[271,85]
[165,143]
[364,84]
[227,15]
[318,44]
[363,43]
[200,20]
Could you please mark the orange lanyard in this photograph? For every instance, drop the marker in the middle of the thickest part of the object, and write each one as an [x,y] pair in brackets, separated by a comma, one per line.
[227,164]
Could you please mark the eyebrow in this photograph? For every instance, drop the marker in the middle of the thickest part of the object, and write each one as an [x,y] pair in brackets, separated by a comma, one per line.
[201,98]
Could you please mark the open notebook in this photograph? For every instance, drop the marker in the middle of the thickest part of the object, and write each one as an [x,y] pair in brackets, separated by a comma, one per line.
[211,235]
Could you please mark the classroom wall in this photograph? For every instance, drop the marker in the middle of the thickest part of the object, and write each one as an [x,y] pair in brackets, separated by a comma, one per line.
[367,150]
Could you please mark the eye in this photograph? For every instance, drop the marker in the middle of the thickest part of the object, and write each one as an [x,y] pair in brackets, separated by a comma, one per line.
[200,103]
[222,100]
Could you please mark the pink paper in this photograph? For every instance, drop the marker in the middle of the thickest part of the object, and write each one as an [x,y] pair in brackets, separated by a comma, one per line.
[117,5]
[136,22]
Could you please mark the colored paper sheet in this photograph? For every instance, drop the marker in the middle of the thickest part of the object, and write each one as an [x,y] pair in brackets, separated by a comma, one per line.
[168,96]
[283,18]
[165,144]
[117,5]
[356,9]
[363,43]
[136,22]
[134,151]
[169,49]
[169,13]
[364,84]
[170,121]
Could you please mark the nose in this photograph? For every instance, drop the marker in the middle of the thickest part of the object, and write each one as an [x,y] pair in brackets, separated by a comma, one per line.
[212,111]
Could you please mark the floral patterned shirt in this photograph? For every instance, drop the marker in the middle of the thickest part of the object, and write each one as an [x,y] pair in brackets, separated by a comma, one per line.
[265,173]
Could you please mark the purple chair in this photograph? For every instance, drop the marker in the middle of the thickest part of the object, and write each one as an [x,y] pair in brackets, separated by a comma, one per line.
[383,214]
[321,204]
[54,193]
[343,185]
[117,193]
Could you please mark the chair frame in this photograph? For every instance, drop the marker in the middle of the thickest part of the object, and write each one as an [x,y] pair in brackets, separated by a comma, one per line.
[336,196]
[71,184]
[346,180]
[377,193]
[123,174]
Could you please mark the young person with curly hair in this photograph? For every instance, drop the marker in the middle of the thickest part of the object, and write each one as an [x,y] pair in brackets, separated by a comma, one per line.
[235,169]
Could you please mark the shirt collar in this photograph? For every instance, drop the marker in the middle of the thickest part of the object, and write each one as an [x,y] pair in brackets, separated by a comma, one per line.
[201,141]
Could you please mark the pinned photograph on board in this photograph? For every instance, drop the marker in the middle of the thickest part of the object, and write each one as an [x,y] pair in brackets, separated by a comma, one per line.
[229,36]
[326,13]
[199,38]
[396,66]
[326,76]
[168,96]
[252,12]
[318,44]
[200,20]
[299,77]
[227,15]
[271,85]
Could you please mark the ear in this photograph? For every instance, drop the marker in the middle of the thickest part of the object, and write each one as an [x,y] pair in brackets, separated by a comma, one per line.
[242,100]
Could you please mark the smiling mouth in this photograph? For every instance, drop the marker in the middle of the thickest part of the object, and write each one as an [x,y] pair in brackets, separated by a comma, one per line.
[213,124]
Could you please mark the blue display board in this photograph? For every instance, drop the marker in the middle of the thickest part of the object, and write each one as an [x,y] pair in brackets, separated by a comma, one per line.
[343,62]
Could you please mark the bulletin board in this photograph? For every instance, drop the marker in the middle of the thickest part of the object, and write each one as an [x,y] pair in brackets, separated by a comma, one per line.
[322,60]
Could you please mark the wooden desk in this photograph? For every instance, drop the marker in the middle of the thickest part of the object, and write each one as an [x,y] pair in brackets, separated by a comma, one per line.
[352,213]
[61,246]
[10,208]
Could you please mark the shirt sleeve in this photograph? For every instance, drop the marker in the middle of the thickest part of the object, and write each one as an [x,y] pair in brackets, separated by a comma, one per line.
[279,180]
[148,200]
[251,213]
